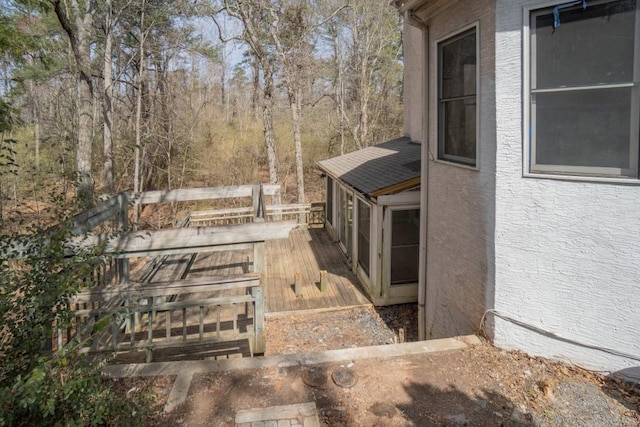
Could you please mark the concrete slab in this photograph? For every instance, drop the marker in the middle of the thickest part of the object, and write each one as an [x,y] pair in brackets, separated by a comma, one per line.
[304,414]
[283,361]
[179,391]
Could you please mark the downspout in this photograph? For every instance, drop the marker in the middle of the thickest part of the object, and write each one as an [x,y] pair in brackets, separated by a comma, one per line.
[414,21]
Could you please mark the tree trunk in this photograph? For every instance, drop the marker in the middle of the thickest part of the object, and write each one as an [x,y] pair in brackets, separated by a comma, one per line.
[267,118]
[79,38]
[107,108]
[83,144]
[255,96]
[339,92]
[294,104]
[363,117]
[137,166]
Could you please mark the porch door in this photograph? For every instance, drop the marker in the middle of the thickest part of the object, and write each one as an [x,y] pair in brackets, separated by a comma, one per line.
[402,253]
[345,216]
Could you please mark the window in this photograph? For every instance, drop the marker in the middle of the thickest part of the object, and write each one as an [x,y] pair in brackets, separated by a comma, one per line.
[329,202]
[364,235]
[584,93]
[405,239]
[457,93]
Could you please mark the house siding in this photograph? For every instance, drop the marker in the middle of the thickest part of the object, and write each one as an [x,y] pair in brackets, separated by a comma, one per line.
[413,77]
[460,201]
[567,253]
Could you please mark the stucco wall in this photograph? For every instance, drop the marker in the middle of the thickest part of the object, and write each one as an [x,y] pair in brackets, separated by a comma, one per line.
[460,201]
[567,253]
[412,42]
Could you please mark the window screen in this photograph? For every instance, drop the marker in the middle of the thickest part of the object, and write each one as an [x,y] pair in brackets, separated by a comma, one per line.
[585,94]
[364,235]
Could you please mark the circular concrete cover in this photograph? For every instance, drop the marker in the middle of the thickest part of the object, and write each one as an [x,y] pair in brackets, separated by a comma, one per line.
[344,377]
[315,377]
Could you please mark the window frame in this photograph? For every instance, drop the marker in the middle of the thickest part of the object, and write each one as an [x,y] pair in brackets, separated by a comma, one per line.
[389,243]
[470,163]
[571,172]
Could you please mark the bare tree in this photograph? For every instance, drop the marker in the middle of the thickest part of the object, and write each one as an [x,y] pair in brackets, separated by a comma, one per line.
[367,55]
[77,20]
[252,15]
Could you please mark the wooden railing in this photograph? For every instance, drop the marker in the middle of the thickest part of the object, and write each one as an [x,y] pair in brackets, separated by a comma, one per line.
[118,323]
[102,322]
[309,214]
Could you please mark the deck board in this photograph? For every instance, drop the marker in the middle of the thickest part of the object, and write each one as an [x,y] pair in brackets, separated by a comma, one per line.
[307,251]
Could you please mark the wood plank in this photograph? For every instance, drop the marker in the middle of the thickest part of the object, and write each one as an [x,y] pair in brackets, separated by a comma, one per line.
[286,277]
[271,290]
[306,261]
[164,241]
[229,300]
[334,298]
[204,193]
[278,297]
[295,267]
[334,295]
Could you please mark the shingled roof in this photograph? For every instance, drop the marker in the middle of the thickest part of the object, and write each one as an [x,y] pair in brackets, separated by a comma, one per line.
[379,169]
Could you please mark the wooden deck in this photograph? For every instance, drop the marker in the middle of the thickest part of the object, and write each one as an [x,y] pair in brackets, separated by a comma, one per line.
[306,251]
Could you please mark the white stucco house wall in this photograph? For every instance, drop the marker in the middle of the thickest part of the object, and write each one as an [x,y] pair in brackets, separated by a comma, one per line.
[528,112]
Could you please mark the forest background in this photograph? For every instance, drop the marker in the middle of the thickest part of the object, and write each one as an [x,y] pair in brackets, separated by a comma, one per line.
[98,97]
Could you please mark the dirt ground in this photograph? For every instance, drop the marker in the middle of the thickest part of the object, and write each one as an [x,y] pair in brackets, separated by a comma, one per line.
[477,386]
[350,328]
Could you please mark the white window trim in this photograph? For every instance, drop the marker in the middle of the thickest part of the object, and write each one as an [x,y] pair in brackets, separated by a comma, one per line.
[331,182]
[447,37]
[595,174]
[342,220]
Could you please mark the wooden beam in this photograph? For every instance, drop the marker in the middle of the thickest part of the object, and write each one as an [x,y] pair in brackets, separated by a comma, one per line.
[196,238]
[260,341]
[260,258]
[323,280]
[105,293]
[396,188]
[297,284]
[91,218]
[205,193]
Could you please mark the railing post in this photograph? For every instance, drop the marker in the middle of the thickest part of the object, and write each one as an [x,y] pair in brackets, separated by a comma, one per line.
[277,200]
[258,204]
[259,345]
[259,258]
[323,280]
[297,284]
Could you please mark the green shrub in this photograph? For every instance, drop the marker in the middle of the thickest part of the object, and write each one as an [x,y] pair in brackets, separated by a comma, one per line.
[39,386]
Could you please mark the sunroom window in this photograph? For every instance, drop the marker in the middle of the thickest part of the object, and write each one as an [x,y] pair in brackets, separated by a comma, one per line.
[584,89]
[364,235]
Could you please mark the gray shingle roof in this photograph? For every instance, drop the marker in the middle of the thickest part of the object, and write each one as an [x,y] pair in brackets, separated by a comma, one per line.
[376,167]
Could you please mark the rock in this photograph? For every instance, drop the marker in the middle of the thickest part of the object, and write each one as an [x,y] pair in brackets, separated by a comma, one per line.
[458,418]
[383,409]
[520,416]
[481,403]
